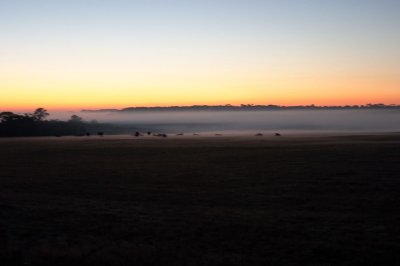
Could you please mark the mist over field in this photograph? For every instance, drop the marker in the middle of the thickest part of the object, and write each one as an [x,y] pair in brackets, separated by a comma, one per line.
[243,121]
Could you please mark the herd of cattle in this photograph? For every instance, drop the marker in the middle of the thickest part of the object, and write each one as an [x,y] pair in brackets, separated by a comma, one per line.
[163,135]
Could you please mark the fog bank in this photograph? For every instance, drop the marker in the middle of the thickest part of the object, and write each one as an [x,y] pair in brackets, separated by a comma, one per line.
[290,120]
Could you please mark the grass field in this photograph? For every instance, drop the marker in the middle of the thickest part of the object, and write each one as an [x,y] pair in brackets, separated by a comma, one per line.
[294,200]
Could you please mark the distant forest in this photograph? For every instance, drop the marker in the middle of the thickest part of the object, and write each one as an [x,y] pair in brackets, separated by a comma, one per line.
[36,124]
[248,107]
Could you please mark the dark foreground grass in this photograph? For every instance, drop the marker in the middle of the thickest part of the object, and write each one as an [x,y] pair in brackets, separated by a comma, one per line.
[215,201]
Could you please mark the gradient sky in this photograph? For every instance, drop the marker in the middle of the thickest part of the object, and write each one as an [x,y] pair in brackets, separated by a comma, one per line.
[71,54]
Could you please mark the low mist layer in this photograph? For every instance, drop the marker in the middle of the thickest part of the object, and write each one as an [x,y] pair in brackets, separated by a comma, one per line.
[204,121]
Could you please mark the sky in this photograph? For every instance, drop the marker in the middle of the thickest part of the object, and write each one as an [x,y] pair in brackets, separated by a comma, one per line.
[74,54]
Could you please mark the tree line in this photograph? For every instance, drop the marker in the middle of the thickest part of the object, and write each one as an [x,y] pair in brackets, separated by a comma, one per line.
[249,107]
[36,124]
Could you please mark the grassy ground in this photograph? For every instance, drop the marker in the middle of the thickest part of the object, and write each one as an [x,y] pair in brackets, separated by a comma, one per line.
[205,201]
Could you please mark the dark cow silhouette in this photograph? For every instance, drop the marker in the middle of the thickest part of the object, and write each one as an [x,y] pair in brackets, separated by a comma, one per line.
[277,135]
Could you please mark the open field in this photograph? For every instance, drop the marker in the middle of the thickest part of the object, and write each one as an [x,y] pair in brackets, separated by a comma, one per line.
[291,200]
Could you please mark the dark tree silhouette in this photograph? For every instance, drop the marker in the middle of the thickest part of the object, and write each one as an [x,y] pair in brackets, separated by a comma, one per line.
[6,116]
[36,124]
[40,114]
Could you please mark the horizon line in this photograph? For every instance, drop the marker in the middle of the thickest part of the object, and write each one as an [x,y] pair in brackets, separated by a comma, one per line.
[368,105]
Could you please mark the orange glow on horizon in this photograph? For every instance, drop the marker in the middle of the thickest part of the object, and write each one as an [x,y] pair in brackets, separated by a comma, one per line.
[254,88]
[77,107]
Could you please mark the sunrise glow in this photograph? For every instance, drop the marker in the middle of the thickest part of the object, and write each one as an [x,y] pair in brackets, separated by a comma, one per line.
[114,54]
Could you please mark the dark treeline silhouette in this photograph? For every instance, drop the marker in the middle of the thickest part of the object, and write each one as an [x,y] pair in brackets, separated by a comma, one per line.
[35,124]
[249,107]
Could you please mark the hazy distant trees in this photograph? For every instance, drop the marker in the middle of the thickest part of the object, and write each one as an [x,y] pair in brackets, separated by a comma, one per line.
[252,107]
[75,119]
